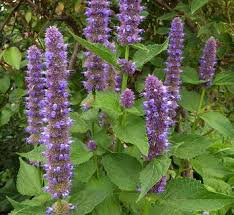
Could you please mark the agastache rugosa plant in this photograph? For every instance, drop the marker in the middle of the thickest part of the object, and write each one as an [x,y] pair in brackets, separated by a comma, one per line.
[36,92]
[56,135]
[127,98]
[174,60]
[99,75]
[156,108]
[208,62]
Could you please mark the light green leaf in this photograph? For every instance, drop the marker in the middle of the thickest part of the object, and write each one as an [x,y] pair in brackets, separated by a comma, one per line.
[224,78]
[28,16]
[141,57]
[98,49]
[189,145]
[28,180]
[13,57]
[190,76]
[4,83]
[79,125]
[123,170]
[219,122]
[95,193]
[5,116]
[197,4]
[167,16]
[132,130]
[217,185]
[152,173]
[35,154]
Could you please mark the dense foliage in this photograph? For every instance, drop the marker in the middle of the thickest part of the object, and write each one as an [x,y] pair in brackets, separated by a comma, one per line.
[152,109]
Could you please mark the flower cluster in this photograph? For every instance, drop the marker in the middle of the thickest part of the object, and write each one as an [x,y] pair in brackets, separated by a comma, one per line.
[56,134]
[91,144]
[130,19]
[173,63]
[156,108]
[208,61]
[60,208]
[36,91]
[127,66]
[127,98]
[98,72]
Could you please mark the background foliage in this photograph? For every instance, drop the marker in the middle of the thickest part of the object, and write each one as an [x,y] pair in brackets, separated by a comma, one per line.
[207,142]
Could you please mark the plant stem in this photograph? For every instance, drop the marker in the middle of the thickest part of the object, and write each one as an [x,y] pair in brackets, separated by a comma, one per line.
[125,76]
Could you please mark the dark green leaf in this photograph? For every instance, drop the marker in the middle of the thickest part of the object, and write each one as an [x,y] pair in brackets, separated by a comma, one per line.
[224,78]
[4,83]
[197,4]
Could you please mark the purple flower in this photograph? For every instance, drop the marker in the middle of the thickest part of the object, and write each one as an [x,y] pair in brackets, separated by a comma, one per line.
[36,91]
[130,19]
[98,74]
[127,66]
[156,108]
[91,144]
[61,207]
[173,63]
[208,62]
[127,98]
[160,186]
[56,135]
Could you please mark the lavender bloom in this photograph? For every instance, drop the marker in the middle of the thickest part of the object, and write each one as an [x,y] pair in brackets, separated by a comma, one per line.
[60,208]
[156,108]
[130,19]
[127,98]
[36,92]
[208,61]
[118,82]
[128,67]
[97,72]
[91,144]
[173,63]
[56,134]
[160,186]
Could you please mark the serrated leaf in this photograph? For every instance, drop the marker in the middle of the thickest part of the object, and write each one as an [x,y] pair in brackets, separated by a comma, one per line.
[189,145]
[4,83]
[197,4]
[190,76]
[152,173]
[13,57]
[141,57]
[218,122]
[28,180]
[123,170]
[95,193]
[98,49]
[224,78]
[79,125]
[132,130]
[35,154]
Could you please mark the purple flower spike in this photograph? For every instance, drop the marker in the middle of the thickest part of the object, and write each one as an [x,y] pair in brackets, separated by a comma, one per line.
[127,98]
[156,108]
[91,144]
[160,186]
[173,63]
[128,67]
[208,61]
[56,135]
[36,91]
[130,19]
[99,75]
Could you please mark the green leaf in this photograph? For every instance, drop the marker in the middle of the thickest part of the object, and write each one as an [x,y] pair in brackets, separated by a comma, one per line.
[197,4]
[98,49]
[189,145]
[190,76]
[108,102]
[189,100]
[167,16]
[28,180]
[217,185]
[95,193]
[79,152]
[13,56]
[35,154]
[28,16]
[79,125]
[123,170]
[5,116]
[141,57]
[190,195]
[4,83]
[210,166]
[132,130]
[109,206]
[152,173]
[224,78]
[219,122]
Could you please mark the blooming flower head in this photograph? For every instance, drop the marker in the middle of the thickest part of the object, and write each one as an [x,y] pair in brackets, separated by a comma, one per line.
[56,134]
[127,98]
[156,108]
[91,144]
[130,19]
[36,92]
[173,69]
[127,66]
[208,61]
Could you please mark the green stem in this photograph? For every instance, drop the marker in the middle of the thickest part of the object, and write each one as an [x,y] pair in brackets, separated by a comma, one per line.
[125,76]
[96,161]
[199,108]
